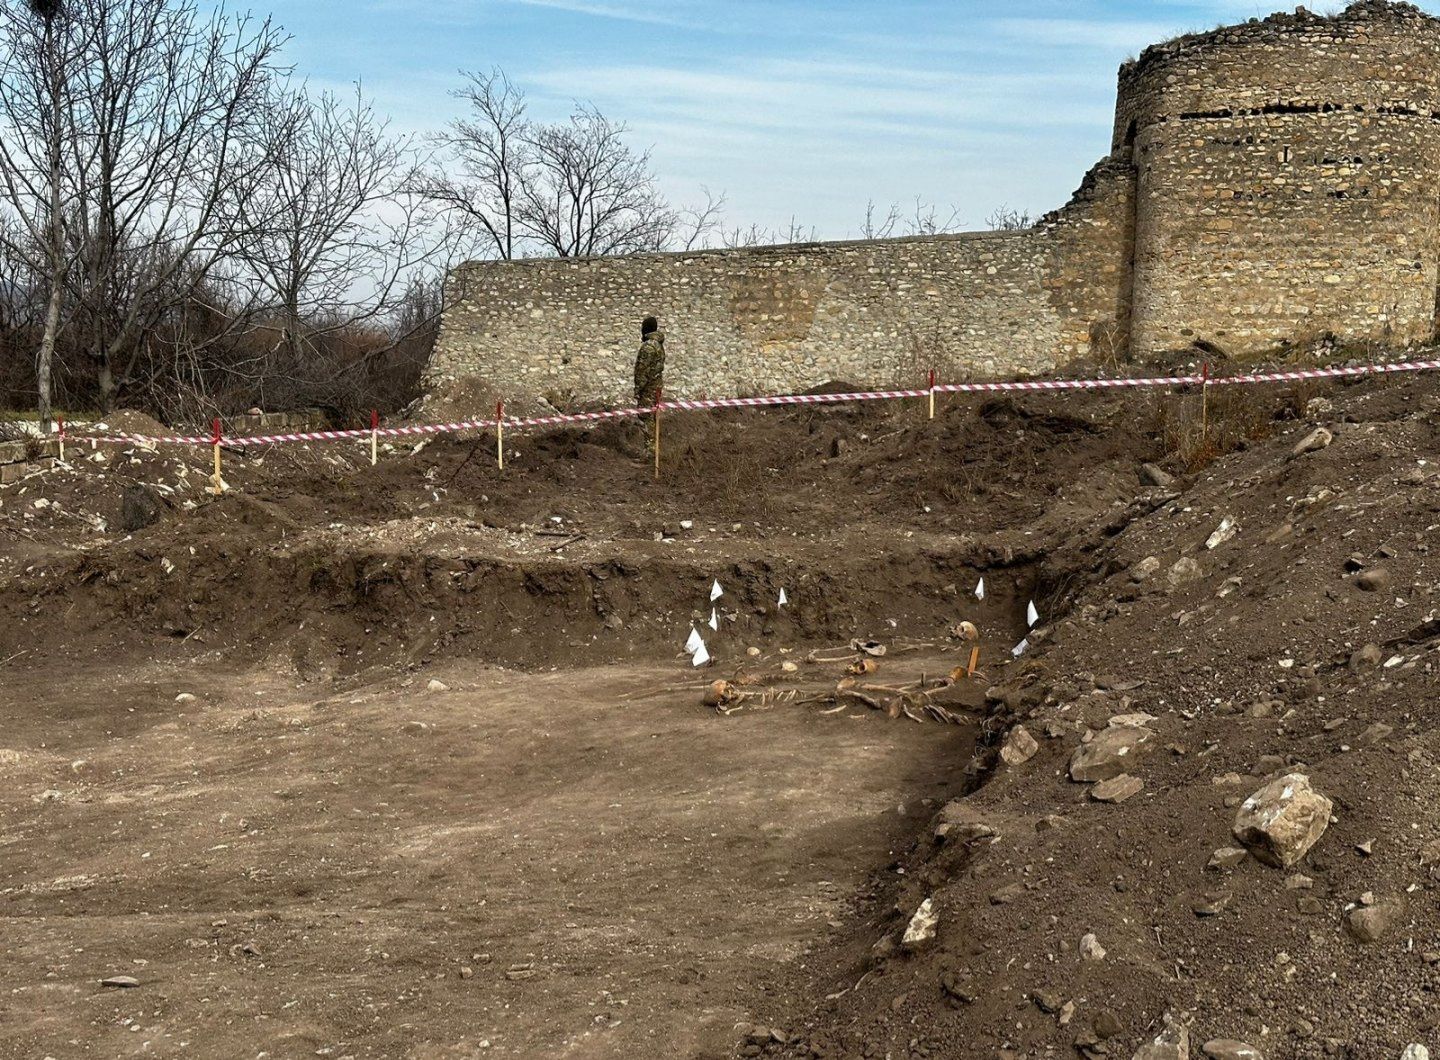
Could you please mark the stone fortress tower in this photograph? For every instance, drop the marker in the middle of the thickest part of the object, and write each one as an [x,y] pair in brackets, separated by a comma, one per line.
[1269,182]
[1287,180]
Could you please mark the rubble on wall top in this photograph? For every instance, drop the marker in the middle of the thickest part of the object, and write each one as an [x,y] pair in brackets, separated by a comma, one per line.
[1281,22]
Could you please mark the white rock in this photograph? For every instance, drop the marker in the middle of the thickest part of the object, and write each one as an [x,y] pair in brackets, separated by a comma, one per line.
[436,686]
[920,931]
[1227,529]
[1091,949]
[1283,820]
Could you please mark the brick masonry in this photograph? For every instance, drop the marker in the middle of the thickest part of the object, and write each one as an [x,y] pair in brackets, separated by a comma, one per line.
[1267,182]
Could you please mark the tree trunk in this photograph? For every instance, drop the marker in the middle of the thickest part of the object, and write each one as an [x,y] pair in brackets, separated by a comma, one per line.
[105,380]
[47,356]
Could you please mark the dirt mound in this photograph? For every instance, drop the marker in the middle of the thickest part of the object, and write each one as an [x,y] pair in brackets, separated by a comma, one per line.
[1246,609]
[1274,618]
[129,421]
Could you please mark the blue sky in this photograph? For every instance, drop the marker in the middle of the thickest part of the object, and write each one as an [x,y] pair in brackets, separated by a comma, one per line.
[791,108]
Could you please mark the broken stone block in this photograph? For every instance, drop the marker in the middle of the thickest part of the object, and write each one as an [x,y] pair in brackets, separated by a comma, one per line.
[1117,789]
[1019,747]
[1173,1043]
[1372,923]
[1145,569]
[920,932]
[1316,440]
[1109,753]
[1185,569]
[1229,1049]
[1283,820]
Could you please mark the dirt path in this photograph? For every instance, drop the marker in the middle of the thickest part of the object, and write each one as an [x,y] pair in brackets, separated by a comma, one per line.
[561,865]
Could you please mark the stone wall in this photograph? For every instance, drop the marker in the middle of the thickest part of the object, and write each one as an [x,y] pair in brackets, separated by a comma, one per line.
[1267,182]
[1287,180]
[872,313]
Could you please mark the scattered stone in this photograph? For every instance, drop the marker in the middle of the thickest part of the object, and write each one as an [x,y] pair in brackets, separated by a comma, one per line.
[1046,1001]
[1316,440]
[1145,569]
[1309,905]
[1173,1043]
[1067,1013]
[1229,1049]
[1019,747]
[415,728]
[185,697]
[1366,848]
[1107,1024]
[1108,754]
[1090,948]
[1372,580]
[1370,656]
[121,982]
[1376,733]
[1227,859]
[920,932]
[1283,820]
[1212,905]
[1185,569]
[1372,923]
[1299,882]
[466,971]
[1117,789]
[436,686]
[1415,1051]
[1150,475]
[1226,531]
[1136,719]
[957,988]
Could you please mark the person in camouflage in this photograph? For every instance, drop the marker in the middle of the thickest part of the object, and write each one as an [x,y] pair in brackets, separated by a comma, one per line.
[649,364]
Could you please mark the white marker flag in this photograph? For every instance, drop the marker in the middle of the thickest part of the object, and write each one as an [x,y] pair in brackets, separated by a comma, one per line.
[701,656]
[1020,648]
[783,598]
[715,591]
[714,620]
[694,643]
[1031,615]
[980,590]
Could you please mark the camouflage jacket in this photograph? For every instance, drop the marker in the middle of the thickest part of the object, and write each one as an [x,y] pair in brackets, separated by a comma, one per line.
[650,367]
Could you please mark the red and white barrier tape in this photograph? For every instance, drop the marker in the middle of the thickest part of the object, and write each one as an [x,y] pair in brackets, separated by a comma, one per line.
[560,419]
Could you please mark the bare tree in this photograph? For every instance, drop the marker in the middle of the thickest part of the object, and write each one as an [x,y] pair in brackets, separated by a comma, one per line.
[696,226]
[40,43]
[485,156]
[926,220]
[573,188]
[878,227]
[1006,219]
[331,234]
[587,193]
[177,101]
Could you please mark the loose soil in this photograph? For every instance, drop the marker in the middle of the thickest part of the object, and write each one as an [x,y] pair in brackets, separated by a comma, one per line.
[563,852]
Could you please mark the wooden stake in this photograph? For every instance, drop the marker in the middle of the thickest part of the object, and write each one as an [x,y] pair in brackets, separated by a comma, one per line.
[1204,400]
[932,393]
[974,660]
[500,434]
[657,435]
[60,424]
[217,485]
[374,437]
